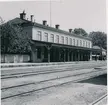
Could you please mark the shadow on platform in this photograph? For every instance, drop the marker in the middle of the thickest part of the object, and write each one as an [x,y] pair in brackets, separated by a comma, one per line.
[100,80]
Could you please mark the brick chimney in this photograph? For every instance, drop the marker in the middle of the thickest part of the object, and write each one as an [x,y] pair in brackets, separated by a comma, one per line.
[23,15]
[70,30]
[57,26]
[31,16]
[45,22]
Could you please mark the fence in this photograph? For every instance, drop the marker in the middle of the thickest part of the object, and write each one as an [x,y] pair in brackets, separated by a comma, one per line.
[14,58]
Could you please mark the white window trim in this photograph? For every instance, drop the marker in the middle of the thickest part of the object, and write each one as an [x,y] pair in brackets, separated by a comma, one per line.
[45,33]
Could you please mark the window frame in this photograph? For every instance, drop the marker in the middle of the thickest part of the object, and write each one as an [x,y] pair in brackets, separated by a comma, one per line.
[62,39]
[66,38]
[52,38]
[45,34]
[77,42]
[39,33]
[83,43]
[80,42]
[70,39]
[74,41]
[57,38]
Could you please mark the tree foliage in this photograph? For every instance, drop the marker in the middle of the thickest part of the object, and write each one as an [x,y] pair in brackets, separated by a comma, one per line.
[13,39]
[80,31]
[99,39]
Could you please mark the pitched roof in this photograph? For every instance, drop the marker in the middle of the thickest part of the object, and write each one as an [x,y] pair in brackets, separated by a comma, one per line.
[96,47]
[29,23]
[18,21]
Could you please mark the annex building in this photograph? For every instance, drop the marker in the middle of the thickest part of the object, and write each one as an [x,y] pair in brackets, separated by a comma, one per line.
[53,44]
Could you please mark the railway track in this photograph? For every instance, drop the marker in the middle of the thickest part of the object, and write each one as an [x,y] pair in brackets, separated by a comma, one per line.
[49,79]
[51,82]
[99,100]
[16,75]
[33,73]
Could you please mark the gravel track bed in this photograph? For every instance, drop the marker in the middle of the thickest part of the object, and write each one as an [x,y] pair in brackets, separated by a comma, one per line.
[39,86]
[61,90]
[67,94]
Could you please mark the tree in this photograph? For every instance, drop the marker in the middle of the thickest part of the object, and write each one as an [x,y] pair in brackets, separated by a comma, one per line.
[13,39]
[80,31]
[99,39]
[1,21]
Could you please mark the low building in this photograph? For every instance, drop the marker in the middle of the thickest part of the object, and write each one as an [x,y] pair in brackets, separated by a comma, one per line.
[98,53]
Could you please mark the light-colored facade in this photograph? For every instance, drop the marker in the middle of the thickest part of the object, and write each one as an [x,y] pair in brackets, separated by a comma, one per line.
[56,45]
[46,35]
[51,44]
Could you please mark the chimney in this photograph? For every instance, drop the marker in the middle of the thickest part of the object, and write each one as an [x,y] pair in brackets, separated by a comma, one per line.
[34,20]
[31,16]
[57,26]
[45,22]
[23,15]
[70,30]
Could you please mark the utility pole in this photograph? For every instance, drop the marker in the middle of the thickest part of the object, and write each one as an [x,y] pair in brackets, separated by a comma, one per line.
[50,14]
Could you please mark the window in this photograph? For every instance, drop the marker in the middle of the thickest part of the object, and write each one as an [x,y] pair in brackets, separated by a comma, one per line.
[74,42]
[89,44]
[46,37]
[70,41]
[52,38]
[39,35]
[66,40]
[80,42]
[62,39]
[86,43]
[83,43]
[77,42]
[38,53]
[57,38]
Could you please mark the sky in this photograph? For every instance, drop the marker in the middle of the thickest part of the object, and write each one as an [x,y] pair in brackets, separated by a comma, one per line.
[87,14]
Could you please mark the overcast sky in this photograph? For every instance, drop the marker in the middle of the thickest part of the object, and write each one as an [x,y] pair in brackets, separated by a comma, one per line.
[87,14]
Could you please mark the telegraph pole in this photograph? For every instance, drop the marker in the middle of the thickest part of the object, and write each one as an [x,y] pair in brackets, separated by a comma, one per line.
[50,14]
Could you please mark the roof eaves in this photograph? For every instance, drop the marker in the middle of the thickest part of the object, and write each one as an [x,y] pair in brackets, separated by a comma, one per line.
[54,29]
[58,30]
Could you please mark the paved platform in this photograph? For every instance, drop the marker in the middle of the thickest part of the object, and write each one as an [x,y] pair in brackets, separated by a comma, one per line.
[10,65]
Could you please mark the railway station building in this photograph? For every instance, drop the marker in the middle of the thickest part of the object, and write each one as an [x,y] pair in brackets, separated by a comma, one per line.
[51,44]
[54,44]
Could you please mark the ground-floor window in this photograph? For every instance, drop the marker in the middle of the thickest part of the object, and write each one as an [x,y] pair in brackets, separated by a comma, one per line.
[39,53]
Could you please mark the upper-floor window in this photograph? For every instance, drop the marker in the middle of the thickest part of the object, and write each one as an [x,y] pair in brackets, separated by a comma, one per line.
[80,42]
[46,37]
[89,44]
[66,40]
[52,38]
[74,42]
[57,38]
[83,43]
[62,39]
[70,41]
[86,43]
[39,35]
[77,42]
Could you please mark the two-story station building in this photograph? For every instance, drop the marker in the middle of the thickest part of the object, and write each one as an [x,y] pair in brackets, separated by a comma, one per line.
[53,44]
